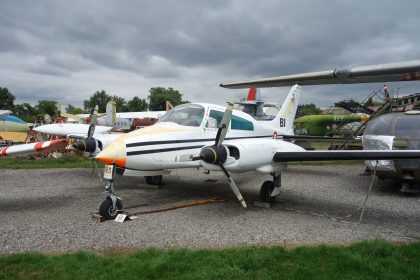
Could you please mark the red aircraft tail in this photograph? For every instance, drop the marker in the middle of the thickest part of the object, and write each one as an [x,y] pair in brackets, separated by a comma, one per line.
[252,94]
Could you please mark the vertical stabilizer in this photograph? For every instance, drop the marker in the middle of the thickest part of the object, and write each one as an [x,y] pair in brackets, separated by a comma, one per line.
[111,113]
[283,122]
[254,94]
[58,108]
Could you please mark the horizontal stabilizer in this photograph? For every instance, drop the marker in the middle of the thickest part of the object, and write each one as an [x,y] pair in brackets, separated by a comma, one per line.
[391,72]
[346,155]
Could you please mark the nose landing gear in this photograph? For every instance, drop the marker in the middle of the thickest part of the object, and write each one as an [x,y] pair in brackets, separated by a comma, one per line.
[112,205]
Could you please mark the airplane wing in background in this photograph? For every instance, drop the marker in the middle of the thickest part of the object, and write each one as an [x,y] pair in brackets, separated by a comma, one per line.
[66,129]
[390,72]
[33,148]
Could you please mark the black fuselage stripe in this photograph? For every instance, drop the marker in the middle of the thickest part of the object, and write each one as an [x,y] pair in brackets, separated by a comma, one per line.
[130,145]
[163,150]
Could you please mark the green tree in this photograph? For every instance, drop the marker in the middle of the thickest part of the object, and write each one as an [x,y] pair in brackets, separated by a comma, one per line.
[159,95]
[120,103]
[308,109]
[25,111]
[74,110]
[6,99]
[99,98]
[137,105]
[347,104]
[46,107]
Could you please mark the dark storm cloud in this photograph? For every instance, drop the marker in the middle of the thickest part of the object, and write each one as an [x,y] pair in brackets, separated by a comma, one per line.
[74,48]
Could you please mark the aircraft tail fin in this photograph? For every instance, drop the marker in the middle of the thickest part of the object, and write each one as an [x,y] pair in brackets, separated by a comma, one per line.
[283,122]
[253,94]
[58,109]
[111,113]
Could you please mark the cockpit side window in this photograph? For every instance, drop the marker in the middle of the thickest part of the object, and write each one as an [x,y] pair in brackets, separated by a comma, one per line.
[188,115]
[215,119]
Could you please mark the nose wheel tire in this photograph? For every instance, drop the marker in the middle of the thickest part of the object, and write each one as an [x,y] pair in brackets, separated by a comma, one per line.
[107,211]
[154,180]
[265,192]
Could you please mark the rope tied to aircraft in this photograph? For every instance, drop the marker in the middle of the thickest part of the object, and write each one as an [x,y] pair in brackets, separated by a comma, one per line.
[343,218]
[96,215]
[178,206]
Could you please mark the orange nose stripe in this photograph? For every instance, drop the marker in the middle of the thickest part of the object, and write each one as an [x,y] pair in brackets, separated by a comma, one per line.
[105,160]
[120,161]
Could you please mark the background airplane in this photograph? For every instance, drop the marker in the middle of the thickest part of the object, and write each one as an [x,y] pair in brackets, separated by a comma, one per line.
[325,125]
[118,121]
[13,128]
[13,124]
[390,131]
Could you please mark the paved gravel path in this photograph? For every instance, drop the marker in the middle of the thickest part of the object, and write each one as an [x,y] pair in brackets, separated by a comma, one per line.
[49,211]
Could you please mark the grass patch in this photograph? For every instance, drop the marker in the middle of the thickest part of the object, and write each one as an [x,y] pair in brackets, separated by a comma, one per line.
[68,160]
[366,260]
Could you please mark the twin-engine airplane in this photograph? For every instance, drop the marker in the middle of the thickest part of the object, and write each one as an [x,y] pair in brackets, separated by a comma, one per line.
[208,136]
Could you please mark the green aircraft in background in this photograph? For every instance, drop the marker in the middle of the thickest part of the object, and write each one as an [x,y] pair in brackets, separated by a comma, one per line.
[324,125]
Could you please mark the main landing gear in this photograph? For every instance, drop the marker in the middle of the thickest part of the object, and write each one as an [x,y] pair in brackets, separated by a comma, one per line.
[270,189]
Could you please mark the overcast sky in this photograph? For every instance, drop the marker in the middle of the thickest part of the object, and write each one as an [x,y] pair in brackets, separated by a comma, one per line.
[67,50]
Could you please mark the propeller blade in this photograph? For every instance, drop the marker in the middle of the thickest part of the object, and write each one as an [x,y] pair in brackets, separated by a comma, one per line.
[94,115]
[221,133]
[233,186]
[91,131]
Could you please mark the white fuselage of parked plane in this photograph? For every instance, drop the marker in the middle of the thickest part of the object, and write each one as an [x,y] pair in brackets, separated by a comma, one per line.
[156,147]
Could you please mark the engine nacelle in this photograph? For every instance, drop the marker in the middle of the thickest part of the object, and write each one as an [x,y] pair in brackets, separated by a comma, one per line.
[257,154]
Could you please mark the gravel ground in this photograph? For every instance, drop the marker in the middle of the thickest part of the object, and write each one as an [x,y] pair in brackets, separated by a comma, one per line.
[49,211]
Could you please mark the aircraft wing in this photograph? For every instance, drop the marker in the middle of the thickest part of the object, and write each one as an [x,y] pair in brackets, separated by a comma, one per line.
[391,72]
[33,148]
[66,129]
[5,113]
[346,155]
[316,138]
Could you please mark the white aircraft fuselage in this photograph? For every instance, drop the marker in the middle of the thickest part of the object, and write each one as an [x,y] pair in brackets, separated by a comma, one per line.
[156,147]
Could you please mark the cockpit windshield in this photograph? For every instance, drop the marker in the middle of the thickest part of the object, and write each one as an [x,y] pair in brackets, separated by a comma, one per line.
[187,114]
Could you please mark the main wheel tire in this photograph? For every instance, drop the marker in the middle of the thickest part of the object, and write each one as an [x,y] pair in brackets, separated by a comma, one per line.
[107,211]
[154,180]
[265,191]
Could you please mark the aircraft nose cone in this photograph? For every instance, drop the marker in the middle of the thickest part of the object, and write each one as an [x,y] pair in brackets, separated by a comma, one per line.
[114,153]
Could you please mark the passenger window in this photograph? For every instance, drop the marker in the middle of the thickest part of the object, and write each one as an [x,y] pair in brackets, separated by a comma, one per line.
[241,124]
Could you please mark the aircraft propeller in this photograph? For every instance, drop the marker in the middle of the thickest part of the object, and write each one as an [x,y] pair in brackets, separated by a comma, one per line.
[89,144]
[217,154]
